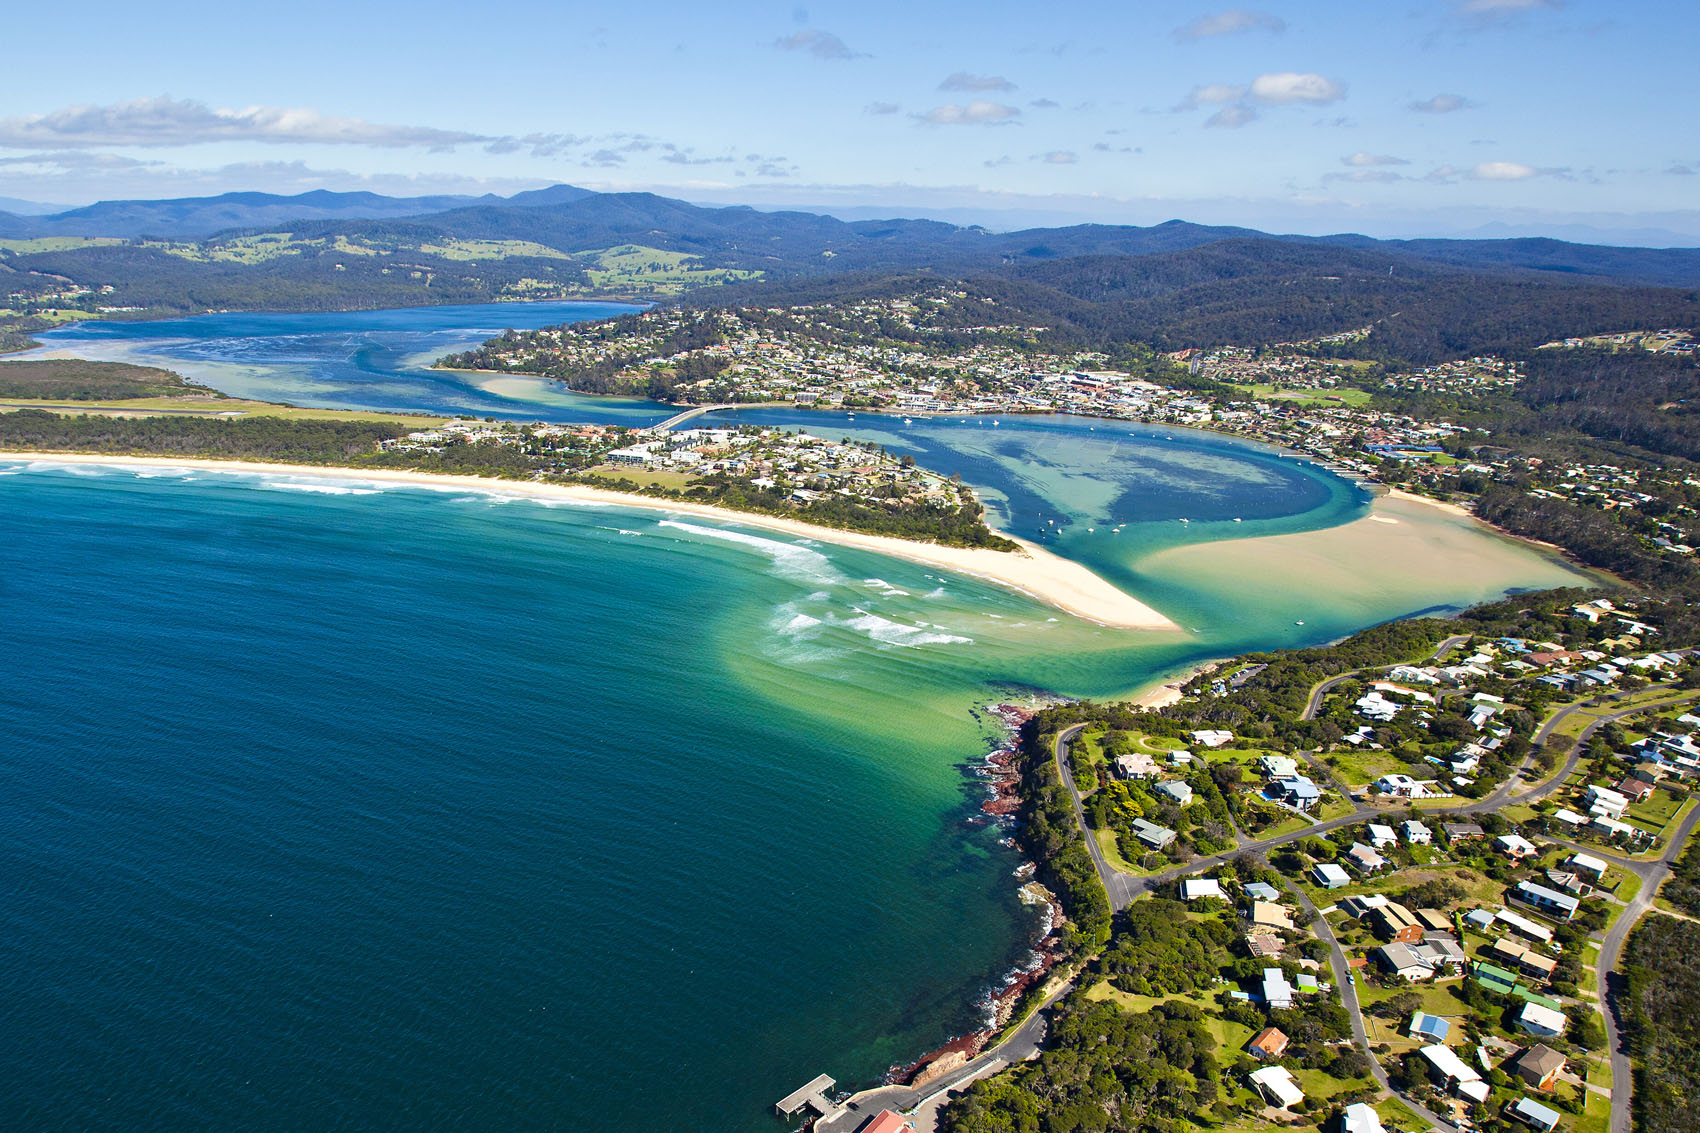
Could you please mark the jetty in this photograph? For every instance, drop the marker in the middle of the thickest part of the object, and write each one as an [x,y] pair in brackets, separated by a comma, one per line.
[812,1096]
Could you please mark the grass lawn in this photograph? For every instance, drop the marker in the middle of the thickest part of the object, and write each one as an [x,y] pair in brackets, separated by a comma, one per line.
[1339,395]
[1595,1116]
[1317,1084]
[1360,767]
[1396,1115]
[1656,812]
[1113,855]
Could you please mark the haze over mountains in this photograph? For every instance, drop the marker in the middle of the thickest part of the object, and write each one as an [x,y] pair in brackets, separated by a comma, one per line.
[571,219]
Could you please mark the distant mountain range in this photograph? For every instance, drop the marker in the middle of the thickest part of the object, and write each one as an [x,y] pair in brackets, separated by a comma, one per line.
[782,244]
[196,218]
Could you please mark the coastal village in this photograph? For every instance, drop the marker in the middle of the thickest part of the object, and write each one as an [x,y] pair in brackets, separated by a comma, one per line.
[790,466]
[1404,927]
[905,356]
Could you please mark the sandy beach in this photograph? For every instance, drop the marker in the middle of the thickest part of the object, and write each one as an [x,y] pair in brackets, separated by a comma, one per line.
[1410,550]
[1033,571]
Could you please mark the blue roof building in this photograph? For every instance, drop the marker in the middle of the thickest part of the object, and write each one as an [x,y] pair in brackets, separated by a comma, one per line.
[1426,1026]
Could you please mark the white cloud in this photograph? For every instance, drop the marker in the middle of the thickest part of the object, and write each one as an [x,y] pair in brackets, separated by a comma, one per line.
[1211,94]
[1044,104]
[881,108]
[1442,104]
[166,121]
[1058,157]
[963,81]
[1478,7]
[1289,86]
[977,113]
[1228,23]
[1365,176]
[1364,159]
[1232,117]
[820,44]
[1502,171]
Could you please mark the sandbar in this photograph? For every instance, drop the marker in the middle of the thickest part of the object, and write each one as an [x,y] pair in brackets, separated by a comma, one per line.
[1033,571]
[1409,551]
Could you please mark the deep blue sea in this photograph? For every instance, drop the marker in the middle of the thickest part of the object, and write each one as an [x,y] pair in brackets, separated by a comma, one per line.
[331,804]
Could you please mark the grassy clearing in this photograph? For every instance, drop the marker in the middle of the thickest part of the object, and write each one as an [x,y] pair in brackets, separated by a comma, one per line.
[56,244]
[635,267]
[216,407]
[1340,395]
[1360,767]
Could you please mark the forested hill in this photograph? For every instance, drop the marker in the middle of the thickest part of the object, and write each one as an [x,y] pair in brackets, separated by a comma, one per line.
[1251,292]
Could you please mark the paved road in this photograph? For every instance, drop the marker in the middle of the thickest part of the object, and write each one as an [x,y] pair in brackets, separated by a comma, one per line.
[1611,982]
[1314,705]
[1349,997]
[1121,887]
[1021,1045]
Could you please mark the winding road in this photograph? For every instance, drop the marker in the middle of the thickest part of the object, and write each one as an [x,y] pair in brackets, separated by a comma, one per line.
[1124,888]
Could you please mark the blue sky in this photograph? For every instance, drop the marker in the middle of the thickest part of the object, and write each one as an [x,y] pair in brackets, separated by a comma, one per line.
[1381,116]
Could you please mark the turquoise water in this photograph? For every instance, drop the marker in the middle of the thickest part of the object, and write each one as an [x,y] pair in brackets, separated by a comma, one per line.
[330,803]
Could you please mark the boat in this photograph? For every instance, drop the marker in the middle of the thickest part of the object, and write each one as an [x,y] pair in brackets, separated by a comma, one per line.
[1237,519]
[1298,623]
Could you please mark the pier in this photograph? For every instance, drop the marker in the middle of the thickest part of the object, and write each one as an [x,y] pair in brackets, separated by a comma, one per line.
[812,1096]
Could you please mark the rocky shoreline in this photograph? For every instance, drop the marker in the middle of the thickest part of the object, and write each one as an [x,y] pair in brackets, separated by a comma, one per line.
[1002,778]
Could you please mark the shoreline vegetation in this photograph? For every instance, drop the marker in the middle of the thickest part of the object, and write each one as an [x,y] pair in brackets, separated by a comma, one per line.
[1032,571]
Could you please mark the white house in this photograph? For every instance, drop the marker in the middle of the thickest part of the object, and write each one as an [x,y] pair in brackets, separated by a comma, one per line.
[1542,1021]
[1277,1086]
[1604,802]
[1416,833]
[1330,876]
[1360,1118]
[1381,836]
[1211,737]
[1196,889]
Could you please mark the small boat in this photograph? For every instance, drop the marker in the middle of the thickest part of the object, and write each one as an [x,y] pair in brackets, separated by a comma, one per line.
[1237,519]
[1298,623]
[907,421]
[1186,521]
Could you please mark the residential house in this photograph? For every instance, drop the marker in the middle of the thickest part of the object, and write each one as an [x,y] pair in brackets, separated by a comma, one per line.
[1195,889]
[1154,836]
[1394,922]
[1533,1114]
[1523,926]
[1523,959]
[1267,914]
[1176,789]
[1399,960]
[1459,832]
[1543,1021]
[1416,833]
[1452,1073]
[1442,953]
[1211,737]
[1330,876]
[1603,802]
[1278,766]
[1365,859]
[1297,791]
[1382,836]
[1277,1086]
[1277,992]
[1136,765]
[1426,1026]
[1433,920]
[1516,847]
[1590,865]
[1360,1118]
[1539,1066]
[1262,891]
[1549,901]
[886,1122]
[1264,945]
[1269,1045]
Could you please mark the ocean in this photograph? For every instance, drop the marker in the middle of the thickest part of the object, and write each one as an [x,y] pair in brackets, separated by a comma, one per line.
[334,804]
